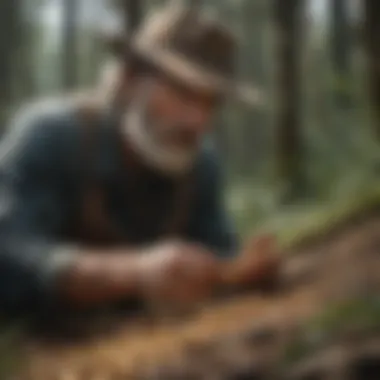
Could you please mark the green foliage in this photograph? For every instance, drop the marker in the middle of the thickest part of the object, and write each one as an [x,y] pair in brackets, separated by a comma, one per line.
[342,84]
[357,316]
[258,211]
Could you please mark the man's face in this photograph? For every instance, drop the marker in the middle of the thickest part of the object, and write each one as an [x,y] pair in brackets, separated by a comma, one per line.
[180,116]
[174,119]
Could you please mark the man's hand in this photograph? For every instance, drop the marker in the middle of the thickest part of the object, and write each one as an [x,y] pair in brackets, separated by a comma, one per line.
[176,272]
[258,263]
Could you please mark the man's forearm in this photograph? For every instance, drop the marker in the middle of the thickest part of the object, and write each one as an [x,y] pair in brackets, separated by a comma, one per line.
[96,277]
[34,274]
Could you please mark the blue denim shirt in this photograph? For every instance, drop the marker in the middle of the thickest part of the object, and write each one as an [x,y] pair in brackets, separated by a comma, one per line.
[40,167]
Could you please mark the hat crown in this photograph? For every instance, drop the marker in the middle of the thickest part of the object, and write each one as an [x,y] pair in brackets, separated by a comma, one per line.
[197,37]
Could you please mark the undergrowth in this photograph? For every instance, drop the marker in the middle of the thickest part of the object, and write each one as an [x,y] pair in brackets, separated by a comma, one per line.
[307,222]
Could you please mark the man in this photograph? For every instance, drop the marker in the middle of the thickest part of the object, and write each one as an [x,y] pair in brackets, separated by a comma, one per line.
[96,208]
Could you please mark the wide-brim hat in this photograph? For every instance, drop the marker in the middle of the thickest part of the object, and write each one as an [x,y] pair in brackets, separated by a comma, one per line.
[191,46]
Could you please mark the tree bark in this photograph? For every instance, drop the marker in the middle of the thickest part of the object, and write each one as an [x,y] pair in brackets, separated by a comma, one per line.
[340,51]
[132,12]
[372,43]
[194,3]
[255,126]
[288,16]
[10,21]
[70,53]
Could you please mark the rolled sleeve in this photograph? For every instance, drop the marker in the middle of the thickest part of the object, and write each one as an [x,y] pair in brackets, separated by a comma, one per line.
[32,212]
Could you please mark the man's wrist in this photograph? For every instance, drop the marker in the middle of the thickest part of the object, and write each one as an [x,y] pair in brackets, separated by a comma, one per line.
[142,271]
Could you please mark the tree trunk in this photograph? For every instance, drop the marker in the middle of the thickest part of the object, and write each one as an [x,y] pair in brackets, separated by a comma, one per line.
[288,16]
[372,43]
[224,142]
[255,125]
[10,21]
[70,53]
[26,59]
[194,3]
[340,51]
[132,11]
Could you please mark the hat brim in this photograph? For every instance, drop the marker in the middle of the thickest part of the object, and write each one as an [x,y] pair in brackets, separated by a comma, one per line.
[191,74]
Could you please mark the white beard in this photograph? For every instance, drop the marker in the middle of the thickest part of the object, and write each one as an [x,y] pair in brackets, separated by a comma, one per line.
[169,161]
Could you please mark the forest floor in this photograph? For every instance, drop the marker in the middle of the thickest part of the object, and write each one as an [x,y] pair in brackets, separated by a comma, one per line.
[321,321]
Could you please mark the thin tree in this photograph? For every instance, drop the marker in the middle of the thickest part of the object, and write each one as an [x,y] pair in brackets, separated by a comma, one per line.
[254,19]
[70,53]
[194,3]
[372,44]
[288,21]
[10,17]
[132,14]
[27,85]
[340,37]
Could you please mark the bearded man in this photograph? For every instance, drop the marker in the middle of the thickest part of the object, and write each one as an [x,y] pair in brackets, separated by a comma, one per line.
[122,200]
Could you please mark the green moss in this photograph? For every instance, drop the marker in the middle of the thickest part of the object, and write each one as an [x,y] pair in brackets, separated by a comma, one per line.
[330,217]
[300,224]
[358,316]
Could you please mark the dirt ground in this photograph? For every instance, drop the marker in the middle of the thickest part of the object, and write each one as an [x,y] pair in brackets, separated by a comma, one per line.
[245,336]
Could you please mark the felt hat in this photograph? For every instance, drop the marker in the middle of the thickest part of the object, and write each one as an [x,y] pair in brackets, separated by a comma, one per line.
[192,47]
